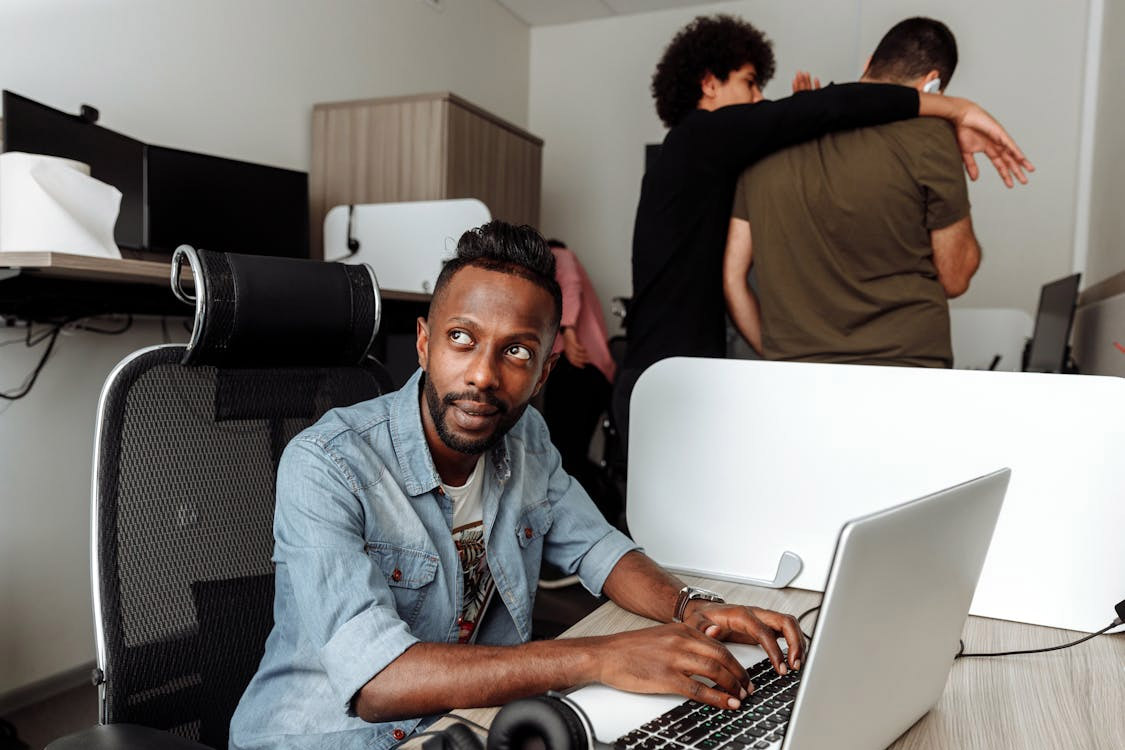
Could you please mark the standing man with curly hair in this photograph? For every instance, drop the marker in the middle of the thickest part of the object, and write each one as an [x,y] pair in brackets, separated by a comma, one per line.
[708,91]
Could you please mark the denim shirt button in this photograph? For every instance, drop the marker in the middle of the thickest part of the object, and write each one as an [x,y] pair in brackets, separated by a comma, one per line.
[396,575]
[398,734]
[527,532]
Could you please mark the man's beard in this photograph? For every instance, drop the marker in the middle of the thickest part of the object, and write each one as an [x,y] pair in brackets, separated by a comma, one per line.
[439,407]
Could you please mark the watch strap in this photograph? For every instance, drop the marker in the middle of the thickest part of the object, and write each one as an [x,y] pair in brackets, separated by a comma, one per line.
[687,594]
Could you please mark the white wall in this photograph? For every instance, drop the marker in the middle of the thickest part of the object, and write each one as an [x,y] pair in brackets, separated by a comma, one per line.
[236,78]
[590,103]
[1106,255]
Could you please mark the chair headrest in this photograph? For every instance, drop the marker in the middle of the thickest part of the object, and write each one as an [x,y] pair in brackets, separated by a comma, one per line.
[262,311]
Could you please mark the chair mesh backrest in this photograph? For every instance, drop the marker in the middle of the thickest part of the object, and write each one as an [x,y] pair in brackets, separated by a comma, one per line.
[187,461]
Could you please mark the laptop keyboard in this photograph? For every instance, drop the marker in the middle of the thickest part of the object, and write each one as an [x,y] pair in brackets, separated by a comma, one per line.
[758,723]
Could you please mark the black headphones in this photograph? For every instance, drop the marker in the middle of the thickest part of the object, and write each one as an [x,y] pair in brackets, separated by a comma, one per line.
[543,722]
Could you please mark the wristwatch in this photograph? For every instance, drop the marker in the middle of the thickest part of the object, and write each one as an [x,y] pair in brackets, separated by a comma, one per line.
[687,593]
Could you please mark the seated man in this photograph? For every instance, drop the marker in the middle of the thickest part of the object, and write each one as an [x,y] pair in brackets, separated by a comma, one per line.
[859,237]
[410,530]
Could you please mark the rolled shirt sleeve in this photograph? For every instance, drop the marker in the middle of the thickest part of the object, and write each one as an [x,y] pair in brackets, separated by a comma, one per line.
[580,541]
[344,602]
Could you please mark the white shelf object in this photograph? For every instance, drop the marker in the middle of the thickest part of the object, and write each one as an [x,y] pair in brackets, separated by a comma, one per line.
[405,243]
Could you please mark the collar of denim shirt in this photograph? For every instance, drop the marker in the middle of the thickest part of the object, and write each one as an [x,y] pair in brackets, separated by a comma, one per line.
[409,441]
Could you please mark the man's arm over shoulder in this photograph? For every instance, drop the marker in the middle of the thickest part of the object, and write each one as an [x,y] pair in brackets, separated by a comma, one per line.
[739,135]
[956,256]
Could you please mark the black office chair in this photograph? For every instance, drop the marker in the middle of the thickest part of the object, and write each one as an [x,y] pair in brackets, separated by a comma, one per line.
[186,455]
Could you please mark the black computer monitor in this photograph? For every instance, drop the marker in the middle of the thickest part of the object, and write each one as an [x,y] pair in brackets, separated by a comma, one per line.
[226,205]
[113,158]
[1048,351]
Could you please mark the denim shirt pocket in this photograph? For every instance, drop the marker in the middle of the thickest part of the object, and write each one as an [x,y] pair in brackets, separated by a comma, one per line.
[408,572]
[534,524]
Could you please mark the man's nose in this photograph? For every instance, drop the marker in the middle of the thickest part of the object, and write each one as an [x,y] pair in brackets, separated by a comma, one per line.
[483,372]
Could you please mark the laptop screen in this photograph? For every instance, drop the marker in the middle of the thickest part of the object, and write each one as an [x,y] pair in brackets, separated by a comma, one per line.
[1048,351]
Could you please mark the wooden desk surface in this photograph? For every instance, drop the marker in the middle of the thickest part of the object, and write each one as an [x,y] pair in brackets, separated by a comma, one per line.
[1071,699]
[123,270]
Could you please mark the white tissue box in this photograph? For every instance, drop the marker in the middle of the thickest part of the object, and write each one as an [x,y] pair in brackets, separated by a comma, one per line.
[52,204]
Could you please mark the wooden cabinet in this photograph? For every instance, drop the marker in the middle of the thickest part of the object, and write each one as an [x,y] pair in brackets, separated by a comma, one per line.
[425,147]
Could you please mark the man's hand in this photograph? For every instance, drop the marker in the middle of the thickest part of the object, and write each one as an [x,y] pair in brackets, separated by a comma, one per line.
[753,625]
[662,659]
[575,353]
[804,82]
[979,132]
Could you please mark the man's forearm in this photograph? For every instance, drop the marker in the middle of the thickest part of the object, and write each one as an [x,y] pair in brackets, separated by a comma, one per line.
[745,312]
[431,678]
[742,303]
[641,586]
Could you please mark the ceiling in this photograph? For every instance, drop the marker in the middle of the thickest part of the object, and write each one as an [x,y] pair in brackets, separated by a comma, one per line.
[550,12]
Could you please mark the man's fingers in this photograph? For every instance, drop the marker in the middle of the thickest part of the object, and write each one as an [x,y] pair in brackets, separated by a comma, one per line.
[789,629]
[1016,166]
[697,691]
[1002,168]
[734,683]
[720,657]
[766,637]
[708,627]
[970,165]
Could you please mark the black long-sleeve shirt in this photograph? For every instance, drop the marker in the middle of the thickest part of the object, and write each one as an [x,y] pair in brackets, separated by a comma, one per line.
[685,205]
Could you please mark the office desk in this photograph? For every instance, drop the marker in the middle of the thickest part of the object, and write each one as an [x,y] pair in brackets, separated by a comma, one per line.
[48,285]
[1072,699]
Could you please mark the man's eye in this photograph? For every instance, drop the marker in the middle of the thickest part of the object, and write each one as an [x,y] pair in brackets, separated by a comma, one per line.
[519,352]
[460,337]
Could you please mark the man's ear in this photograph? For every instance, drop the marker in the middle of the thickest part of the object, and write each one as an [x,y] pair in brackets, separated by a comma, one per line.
[709,85]
[422,343]
[933,75]
[547,367]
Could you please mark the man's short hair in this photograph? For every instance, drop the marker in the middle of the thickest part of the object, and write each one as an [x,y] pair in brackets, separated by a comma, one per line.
[507,248]
[718,45]
[911,49]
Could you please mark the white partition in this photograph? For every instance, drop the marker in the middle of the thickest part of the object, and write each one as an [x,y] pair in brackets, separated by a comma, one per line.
[733,462]
[979,334]
[404,242]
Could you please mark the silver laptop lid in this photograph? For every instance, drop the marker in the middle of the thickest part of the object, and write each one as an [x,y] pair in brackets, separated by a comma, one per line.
[894,607]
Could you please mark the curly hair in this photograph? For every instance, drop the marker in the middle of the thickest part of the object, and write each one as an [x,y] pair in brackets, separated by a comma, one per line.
[716,44]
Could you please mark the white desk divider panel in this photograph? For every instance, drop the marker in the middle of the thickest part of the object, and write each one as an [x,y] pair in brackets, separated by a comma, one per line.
[980,333]
[733,462]
[404,242]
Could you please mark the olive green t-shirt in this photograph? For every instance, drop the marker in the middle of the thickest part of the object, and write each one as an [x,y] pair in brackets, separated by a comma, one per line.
[841,244]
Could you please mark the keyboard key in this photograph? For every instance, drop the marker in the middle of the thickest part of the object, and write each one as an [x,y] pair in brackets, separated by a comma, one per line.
[677,713]
[696,734]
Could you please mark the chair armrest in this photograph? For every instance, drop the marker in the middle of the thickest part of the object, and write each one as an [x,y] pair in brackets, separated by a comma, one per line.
[123,737]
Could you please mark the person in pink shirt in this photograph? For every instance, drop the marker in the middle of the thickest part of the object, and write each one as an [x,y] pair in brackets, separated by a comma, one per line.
[579,387]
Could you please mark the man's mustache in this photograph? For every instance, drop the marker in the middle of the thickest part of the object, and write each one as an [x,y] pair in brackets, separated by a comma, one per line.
[478,396]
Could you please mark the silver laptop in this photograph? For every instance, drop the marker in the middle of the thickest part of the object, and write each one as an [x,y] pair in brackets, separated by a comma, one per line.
[894,606]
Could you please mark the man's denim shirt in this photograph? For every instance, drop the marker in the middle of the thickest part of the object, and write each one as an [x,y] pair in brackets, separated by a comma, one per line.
[366,565]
